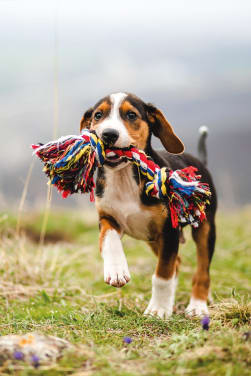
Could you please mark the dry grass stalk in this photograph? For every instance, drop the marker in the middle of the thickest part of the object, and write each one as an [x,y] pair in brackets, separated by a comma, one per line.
[23,197]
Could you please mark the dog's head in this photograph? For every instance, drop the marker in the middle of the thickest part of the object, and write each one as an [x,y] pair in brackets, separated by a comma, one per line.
[121,120]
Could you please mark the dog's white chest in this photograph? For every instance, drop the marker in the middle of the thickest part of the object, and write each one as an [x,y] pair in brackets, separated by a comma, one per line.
[121,200]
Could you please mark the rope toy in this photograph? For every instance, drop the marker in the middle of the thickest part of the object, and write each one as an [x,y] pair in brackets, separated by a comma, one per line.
[70,163]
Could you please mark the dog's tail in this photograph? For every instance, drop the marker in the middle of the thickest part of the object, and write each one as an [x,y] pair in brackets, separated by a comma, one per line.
[202,149]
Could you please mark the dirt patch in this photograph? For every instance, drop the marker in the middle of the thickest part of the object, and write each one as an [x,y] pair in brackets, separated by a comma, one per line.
[206,351]
[55,237]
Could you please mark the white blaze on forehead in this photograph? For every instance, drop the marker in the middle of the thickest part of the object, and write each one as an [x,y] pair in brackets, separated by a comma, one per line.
[114,121]
[116,100]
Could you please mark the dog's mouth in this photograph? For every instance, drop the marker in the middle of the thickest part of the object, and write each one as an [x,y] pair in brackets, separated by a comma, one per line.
[113,159]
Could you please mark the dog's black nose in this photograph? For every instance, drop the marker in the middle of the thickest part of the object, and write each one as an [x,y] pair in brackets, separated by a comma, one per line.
[110,136]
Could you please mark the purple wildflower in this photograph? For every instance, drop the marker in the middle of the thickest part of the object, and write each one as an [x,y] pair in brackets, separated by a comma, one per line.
[35,361]
[18,355]
[205,323]
[127,340]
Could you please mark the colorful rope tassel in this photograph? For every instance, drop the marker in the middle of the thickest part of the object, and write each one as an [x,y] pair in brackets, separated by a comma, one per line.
[70,163]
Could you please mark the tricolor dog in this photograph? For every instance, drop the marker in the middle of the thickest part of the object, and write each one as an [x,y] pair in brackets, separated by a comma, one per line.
[122,120]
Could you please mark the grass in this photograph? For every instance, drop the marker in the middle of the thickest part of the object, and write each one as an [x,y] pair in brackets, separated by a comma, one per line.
[58,289]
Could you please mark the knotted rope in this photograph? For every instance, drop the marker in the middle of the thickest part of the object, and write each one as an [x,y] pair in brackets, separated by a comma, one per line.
[70,163]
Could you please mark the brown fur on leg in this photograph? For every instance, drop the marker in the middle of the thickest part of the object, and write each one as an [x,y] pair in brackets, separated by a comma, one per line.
[201,279]
[106,222]
[166,248]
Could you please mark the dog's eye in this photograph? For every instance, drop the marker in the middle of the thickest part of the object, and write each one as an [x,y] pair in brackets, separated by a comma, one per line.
[131,115]
[98,115]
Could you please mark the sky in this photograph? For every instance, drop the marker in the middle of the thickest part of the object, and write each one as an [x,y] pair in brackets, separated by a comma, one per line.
[190,58]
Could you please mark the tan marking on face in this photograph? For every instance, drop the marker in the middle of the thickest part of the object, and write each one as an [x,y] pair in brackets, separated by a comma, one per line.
[138,128]
[201,279]
[105,108]
[86,119]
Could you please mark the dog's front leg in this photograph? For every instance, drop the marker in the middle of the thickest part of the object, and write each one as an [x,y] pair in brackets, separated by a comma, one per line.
[116,271]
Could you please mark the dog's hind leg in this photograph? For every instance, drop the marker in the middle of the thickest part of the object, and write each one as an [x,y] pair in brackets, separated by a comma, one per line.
[164,280]
[204,237]
[116,271]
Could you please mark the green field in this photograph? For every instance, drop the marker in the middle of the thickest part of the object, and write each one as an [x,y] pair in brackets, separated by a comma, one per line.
[58,289]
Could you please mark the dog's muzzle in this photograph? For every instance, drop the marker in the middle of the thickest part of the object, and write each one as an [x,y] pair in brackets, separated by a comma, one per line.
[109,136]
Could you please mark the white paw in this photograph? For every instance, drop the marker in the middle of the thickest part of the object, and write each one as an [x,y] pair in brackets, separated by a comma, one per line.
[116,272]
[197,307]
[159,310]
[116,276]
[162,300]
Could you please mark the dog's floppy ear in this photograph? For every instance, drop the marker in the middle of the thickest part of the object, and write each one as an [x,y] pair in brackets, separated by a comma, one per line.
[163,130]
[86,119]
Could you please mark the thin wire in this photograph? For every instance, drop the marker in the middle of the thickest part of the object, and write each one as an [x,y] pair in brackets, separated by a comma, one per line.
[55,122]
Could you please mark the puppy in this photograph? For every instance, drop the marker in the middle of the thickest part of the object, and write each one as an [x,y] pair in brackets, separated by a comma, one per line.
[122,120]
